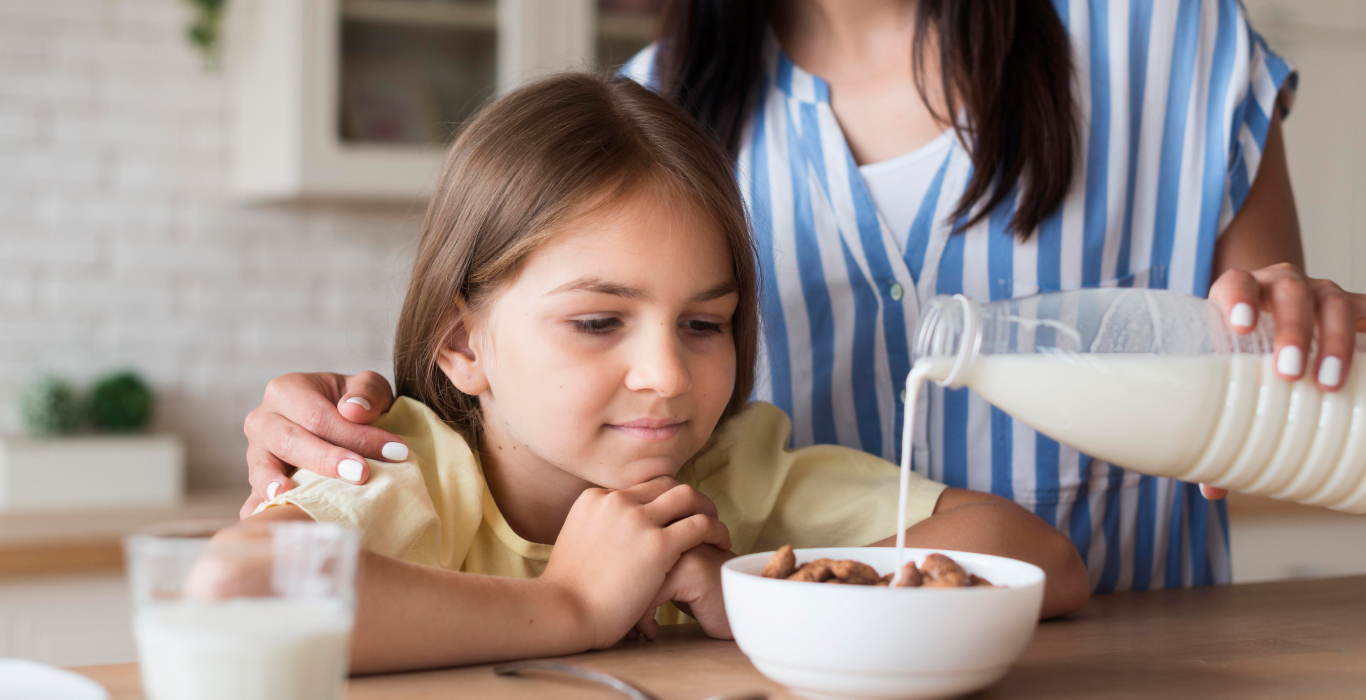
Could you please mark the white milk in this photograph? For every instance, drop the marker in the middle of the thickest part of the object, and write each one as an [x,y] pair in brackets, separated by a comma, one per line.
[244,649]
[1228,421]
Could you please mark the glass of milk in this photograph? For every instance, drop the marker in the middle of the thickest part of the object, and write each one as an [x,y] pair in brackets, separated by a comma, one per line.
[258,613]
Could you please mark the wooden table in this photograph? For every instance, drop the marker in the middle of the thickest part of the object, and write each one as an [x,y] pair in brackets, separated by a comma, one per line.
[1272,640]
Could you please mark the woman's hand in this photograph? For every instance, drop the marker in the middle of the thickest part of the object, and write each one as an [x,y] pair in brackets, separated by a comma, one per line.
[317,422]
[1298,305]
[617,547]
[1258,268]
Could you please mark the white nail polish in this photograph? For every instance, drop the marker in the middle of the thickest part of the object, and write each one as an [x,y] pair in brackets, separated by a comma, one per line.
[1290,361]
[350,470]
[394,451]
[272,490]
[359,401]
[1241,316]
[1330,371]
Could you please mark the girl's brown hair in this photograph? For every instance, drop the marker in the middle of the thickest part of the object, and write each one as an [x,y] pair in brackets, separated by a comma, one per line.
[540,156]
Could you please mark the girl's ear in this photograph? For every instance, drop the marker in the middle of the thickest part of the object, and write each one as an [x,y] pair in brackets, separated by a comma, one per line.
[461,359]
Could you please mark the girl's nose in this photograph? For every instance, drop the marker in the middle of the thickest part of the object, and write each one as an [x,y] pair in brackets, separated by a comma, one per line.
[658,365]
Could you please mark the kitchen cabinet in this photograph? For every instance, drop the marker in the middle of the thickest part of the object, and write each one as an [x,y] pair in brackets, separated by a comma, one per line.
[357,99]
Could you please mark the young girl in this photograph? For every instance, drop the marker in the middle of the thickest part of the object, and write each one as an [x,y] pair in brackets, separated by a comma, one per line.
[574,355]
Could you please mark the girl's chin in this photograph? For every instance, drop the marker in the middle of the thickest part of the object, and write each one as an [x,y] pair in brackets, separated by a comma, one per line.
[636,472]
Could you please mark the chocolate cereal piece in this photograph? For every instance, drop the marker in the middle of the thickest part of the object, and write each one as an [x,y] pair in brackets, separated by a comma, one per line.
[910,576]
[975,580]
[942,572]
[938,571]
[854,572]
[815,571]
[782,564]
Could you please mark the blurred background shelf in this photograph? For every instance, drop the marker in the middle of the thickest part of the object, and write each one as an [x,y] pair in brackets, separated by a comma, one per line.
[426,13]
[627,26]
[91,541]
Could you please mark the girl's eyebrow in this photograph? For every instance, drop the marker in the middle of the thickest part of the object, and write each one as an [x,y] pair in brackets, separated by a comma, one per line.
[594,285]
[717,291]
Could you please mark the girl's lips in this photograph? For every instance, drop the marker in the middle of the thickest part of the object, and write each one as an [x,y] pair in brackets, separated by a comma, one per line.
[649,429]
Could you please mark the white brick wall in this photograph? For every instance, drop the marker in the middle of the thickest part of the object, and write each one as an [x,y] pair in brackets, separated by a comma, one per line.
[120,246]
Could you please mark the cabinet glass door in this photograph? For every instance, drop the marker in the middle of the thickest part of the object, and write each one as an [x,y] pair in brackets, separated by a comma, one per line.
[624,28]
[412,70]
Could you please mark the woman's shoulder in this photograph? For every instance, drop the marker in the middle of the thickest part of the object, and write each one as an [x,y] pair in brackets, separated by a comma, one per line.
[641,67]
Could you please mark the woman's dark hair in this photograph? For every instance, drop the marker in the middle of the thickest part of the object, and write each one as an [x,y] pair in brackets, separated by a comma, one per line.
[1006,65]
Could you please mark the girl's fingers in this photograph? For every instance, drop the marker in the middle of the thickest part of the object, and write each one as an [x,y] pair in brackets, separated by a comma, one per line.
[305,401]
[1337,334]
[677,503]
[646,625]
[650,490]
[1239,295]
[697,529]
[293,445]
[1292,306]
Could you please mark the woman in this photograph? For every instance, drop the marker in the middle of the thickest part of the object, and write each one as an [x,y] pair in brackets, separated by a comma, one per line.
[1092,144]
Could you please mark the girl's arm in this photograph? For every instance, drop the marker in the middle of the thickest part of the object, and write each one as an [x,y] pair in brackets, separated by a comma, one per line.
[610,560]
[970,521]
[411,616]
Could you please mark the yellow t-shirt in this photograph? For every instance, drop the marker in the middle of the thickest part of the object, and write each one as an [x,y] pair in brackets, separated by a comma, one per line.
[435,509]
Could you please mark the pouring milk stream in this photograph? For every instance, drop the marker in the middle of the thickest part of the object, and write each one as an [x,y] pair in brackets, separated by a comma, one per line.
[1153,381]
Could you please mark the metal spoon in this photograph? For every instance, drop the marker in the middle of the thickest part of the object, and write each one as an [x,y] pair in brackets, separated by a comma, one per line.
[621,685]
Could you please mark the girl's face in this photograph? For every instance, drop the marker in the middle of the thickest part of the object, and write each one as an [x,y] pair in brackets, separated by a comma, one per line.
[610,356]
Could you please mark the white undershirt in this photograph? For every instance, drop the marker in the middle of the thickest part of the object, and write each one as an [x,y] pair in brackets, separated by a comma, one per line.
[898,185]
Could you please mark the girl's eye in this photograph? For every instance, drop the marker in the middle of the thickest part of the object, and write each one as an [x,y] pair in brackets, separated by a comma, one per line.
[703,327]
[596,325]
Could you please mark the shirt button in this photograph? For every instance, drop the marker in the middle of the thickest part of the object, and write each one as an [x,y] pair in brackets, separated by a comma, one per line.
[903,396]
[896,292]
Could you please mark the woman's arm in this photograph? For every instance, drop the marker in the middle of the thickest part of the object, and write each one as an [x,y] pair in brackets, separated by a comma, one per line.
[1259,268]
[970,521]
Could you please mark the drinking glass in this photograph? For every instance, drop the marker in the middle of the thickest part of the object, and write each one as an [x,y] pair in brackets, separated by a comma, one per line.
[260,612]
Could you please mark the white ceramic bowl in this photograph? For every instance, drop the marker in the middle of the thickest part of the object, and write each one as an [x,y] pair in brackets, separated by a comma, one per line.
[824,640]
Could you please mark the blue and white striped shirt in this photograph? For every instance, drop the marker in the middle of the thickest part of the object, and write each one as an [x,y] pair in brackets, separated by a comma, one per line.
[1175,98]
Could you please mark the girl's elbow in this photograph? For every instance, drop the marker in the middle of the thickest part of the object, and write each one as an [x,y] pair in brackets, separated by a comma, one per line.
[1069,584]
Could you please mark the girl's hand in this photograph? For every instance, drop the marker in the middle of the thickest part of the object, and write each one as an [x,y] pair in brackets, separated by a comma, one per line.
[317,422]
[694,585]
[1298,304]
[617,547]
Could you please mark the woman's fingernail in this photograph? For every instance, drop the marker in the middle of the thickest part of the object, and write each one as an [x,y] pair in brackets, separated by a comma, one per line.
[394,451]
[272,490]
[350,470]
[1241,316]
[359,401]
[1290,361]
[1330,371]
